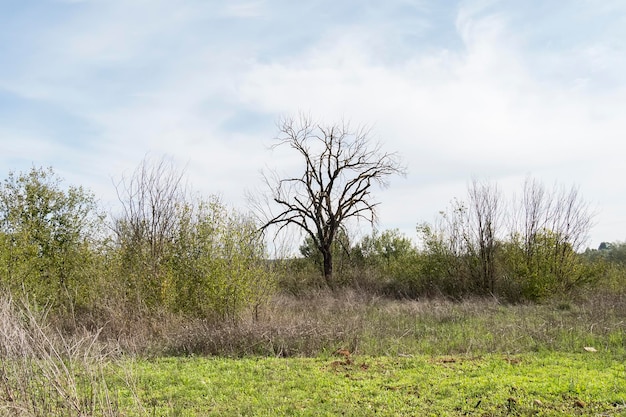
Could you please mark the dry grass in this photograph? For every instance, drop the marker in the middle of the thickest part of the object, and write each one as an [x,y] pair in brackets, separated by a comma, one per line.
[44,373]
[322,322]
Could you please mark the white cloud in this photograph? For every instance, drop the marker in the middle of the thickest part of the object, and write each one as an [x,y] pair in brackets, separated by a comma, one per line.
[465,90]
[479,111]
[246,9]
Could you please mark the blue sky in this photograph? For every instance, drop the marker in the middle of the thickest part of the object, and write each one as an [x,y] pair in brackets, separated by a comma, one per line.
[493,90]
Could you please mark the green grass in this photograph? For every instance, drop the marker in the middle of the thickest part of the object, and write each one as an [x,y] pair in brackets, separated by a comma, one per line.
[542,384]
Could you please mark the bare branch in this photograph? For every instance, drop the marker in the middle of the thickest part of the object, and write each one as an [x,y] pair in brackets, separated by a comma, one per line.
[340,166]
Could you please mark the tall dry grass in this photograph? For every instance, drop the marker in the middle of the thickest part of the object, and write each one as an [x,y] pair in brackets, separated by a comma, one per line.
[322,322]
[46,373]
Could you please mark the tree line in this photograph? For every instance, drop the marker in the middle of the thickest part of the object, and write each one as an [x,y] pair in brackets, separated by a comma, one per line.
[168,249]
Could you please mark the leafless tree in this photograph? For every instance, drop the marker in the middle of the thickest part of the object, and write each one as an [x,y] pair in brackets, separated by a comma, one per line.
[535,207]
[561,211]
[149,199]
[340,165]
[553,225]
[484,223]
[469,233]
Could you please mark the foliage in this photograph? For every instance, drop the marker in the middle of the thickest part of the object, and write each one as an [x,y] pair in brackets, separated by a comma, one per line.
[469,252]
[194,257]
[385,248]
[551,267]
[610,259]
[613,252]
[49,237]
[217,265]
[341,250]
[151,201]
[199,258]
[394,259]
[384,262]
[443,266]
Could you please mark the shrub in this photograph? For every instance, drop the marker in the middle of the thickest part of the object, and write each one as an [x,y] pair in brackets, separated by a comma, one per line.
[49,238]
[217,265]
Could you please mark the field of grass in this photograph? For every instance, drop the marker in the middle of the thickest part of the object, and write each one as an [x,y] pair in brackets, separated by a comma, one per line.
[412,358]
[544,383]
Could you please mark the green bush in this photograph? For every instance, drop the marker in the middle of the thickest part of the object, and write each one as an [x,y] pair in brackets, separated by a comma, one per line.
[546,267]
[195,257]
[49,238]
[470,252]
[217,265]
[392,258]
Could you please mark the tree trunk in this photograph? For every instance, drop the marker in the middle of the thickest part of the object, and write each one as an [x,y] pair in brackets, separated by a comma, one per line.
[328,267]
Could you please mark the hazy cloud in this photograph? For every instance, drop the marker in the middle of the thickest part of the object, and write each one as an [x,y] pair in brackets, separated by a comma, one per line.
[489,89]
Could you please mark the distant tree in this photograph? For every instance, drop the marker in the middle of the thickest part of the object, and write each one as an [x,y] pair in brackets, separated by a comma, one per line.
[614,252]
[393,261]
[340,166]
[384,248]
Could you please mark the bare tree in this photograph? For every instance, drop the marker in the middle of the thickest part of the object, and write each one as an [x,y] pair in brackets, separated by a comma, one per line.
[340,166]
[561,210]
[467,235]
[552,225]
[484,223]
[150,199]
[536,206]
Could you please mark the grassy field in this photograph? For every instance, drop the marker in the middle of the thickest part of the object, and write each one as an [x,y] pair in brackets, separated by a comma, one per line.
[545,383]
[413,358]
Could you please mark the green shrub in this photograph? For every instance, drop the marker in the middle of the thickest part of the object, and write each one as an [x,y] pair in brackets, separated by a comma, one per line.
[217,265]
[49,238]
[198,258]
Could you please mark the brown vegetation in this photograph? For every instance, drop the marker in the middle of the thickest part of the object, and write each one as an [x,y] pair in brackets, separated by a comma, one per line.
[349,322]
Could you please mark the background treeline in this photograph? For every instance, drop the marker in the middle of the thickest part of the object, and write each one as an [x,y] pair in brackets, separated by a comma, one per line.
[521,248]
[168,250]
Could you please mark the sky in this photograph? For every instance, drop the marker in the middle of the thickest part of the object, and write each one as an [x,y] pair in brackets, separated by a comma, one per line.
[478,89]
